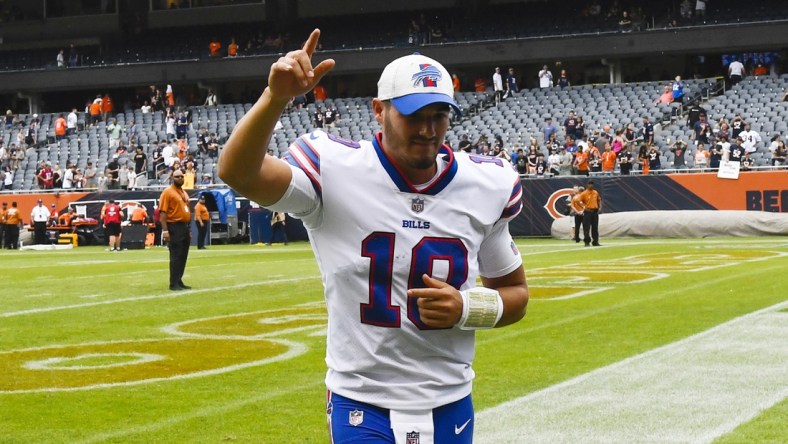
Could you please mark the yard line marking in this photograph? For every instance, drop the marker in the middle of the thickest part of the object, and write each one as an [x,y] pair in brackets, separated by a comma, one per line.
[167,295]
[727,374]
[209,412]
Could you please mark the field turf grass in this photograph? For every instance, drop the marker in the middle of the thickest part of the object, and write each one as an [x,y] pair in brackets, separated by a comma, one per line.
[94,348]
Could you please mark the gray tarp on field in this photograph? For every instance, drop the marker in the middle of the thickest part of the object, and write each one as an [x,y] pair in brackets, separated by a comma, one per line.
[684,223]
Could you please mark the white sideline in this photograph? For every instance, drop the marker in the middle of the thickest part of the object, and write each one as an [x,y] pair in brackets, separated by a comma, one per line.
[694,390]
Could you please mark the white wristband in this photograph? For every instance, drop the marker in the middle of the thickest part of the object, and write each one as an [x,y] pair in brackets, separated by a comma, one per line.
[482,308]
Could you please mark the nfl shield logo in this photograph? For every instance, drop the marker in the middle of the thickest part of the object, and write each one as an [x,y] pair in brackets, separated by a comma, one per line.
[356,417]
[412,438]
[417,204]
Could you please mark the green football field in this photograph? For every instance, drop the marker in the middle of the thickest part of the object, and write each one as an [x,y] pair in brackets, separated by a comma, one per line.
[640,340]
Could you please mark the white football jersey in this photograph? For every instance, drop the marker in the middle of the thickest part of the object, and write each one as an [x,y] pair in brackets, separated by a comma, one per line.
[374,235]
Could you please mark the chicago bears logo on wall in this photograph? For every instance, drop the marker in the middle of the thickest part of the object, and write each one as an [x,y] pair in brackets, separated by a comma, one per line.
[557,204]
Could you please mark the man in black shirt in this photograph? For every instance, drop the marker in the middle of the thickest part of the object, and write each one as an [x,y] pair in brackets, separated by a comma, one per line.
[113,176]
[140,161]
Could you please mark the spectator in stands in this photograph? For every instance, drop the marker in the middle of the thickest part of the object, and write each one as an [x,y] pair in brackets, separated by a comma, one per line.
[737,126]
[480,85]
[113,173]
[95,110]
[497,85]
[214,47]
[146,108]
[89,176]
[666,98]
[554,162]
[715,154]
[511,84]
[700,8]
[569,125]
[750,138]
[45,177]
[736,72]
[626,159]
[73,57]
[747,162]
[549,129]
[678,90]
[61,59]
[71,122]
[701,131]
[737,150]
[701,158]
[60,127]
[679,150]
[654,161]
[563,80]
[455,81]
[647,131]
[8,179]
[213,146]
[68,177]
[608,160]
[545,78]
[330,115]
[643,158]
[625,22]
[565,161]
[779,154]
[320,93]
[580,164]
[232,48]
[9,119]
[169,125]
[207,179]
[115,132]
[182,126]
[685,9]
[211,99]
[107,106]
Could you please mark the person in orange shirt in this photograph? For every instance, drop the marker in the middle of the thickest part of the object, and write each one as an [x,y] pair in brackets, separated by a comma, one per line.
[455,81]
[581,162]
[232,48]
[139,215]
[13,221]
[320,93]
[609,159]
[175,215]
[60,127]
[215,47]
[95,110]
[67,219]
[480,85]
[170,96]
[106,106]
[591,202]
[203,220]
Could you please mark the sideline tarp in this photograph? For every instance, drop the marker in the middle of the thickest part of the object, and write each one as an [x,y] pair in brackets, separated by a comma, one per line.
[682,223]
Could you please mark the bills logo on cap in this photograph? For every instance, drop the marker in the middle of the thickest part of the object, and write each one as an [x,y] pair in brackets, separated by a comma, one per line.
[412,438]
[427,76]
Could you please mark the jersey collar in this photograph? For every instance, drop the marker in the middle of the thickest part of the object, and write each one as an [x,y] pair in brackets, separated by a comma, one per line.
[403,183]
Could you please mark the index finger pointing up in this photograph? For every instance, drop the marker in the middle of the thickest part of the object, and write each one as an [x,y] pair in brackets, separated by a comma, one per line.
[311,42]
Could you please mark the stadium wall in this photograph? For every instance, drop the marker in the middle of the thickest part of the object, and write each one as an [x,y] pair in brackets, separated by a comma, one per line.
[544,200]
[743,37]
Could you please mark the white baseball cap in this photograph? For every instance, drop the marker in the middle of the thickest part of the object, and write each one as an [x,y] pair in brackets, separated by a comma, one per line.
[415,81]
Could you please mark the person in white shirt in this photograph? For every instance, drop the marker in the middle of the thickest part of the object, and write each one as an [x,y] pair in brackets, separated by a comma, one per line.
[554,162]
[68,177]
[545,78]
[750,139]
[736,72]
[498,85]
[39,217]
[167,154]
[71,122]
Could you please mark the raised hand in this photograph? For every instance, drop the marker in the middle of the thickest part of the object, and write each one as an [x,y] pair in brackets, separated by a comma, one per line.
[293,74]
[440,304]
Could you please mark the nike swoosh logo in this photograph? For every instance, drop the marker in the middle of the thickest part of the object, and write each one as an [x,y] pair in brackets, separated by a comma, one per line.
[313,136]
[458,430]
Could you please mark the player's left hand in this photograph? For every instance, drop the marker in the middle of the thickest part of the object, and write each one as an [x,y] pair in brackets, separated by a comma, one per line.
[440,304]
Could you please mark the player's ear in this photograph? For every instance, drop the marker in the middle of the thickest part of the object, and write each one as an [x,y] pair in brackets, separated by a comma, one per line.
[377,108]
